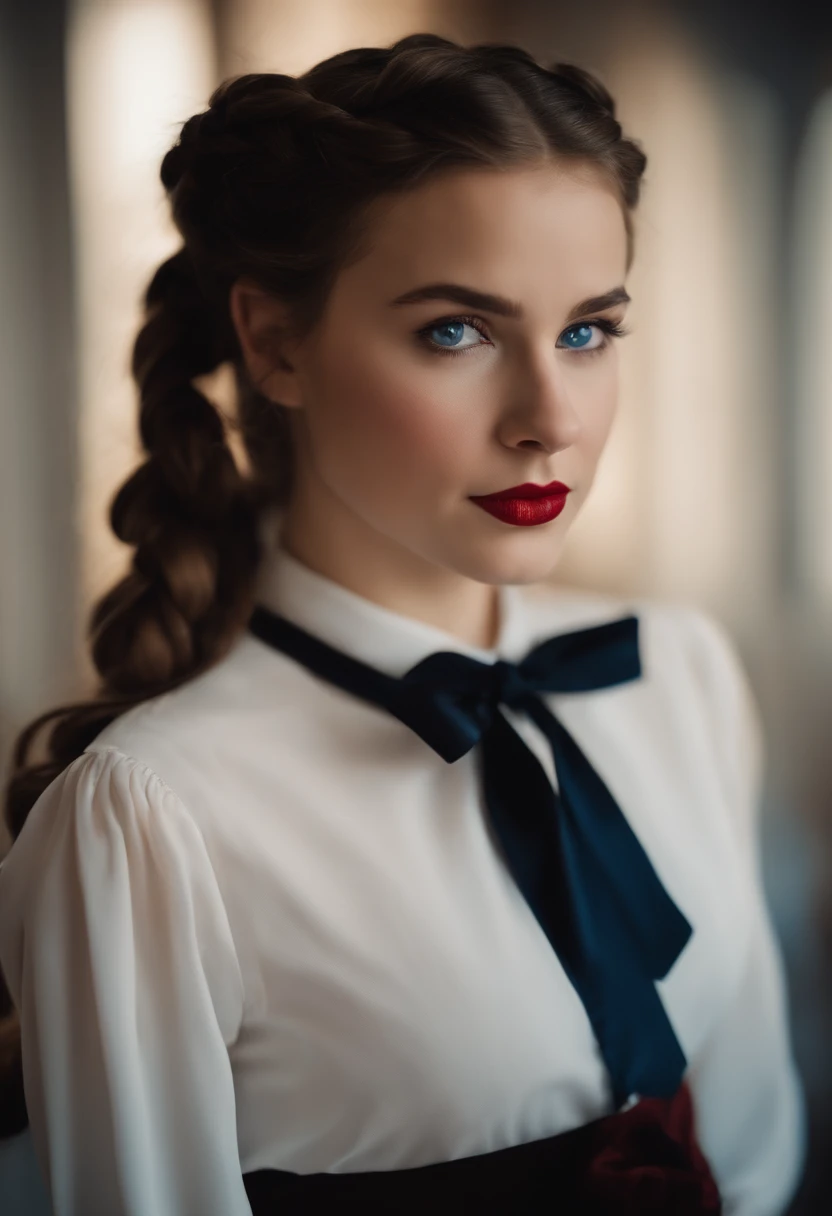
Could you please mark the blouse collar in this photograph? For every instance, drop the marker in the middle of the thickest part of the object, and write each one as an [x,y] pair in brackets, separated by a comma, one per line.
[387,640]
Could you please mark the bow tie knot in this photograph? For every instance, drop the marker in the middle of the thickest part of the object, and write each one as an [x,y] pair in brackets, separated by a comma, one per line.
[508,685]
[451,699]
[452,673]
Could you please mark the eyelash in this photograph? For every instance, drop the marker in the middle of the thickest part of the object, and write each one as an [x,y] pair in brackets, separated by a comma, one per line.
[609,328]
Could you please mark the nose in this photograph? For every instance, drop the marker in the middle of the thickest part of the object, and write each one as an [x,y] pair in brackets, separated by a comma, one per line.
[543,414]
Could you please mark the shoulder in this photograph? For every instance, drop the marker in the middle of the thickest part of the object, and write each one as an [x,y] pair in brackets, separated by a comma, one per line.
[108,799]
[97,792]
[712,674]
[105,814]
[666,627]
[108,869]
[129,804]
[125,790]
[195,728]
[199,705]
[670,631]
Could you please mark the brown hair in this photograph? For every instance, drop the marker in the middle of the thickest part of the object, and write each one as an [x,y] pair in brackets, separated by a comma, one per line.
[273,183]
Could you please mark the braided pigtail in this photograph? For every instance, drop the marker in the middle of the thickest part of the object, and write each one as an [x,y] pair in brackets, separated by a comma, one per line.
[187,509]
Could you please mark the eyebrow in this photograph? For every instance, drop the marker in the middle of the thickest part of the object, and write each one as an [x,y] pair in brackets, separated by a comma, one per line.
[487,302]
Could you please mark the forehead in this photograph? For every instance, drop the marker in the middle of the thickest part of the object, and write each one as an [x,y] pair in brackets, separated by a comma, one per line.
[514,231]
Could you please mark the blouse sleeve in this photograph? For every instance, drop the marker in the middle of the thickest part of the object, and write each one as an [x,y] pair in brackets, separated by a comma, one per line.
[118,954]
[744,1083]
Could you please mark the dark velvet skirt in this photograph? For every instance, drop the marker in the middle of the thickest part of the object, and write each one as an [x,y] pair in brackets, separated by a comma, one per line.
[644,1161]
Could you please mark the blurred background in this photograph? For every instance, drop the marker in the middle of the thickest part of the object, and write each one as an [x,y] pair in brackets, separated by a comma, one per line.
[716,487]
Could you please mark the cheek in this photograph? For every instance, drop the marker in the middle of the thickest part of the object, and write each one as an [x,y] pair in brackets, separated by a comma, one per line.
[377,425]
[598,398]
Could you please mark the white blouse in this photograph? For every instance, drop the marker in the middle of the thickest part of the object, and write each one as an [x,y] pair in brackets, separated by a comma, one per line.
[260,923]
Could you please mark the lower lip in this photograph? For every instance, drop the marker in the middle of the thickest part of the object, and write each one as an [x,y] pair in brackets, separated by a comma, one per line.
[523,511]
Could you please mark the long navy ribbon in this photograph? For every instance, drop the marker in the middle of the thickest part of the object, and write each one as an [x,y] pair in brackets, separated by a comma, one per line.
[572,853]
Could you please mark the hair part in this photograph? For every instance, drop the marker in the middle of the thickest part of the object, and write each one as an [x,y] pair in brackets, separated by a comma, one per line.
[274,183]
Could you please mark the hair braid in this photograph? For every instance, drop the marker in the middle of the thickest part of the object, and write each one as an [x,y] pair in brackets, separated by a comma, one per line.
[187,510]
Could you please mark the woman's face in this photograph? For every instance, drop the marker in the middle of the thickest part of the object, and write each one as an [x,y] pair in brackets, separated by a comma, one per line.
[393,436]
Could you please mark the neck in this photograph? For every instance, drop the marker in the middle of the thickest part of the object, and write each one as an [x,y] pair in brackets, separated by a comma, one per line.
[384,573]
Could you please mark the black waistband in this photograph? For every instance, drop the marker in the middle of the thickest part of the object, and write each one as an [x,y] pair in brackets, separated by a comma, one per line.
[643,1161]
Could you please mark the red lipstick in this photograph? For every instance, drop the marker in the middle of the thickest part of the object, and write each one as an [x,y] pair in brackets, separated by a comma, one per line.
[525,504]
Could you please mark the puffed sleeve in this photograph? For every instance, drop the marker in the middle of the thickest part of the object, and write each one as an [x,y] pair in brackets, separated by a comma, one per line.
[119,957]
[744,1083]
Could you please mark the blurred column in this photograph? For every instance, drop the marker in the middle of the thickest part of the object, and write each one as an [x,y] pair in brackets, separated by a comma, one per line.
[136,70]
[38,542]
[813,363]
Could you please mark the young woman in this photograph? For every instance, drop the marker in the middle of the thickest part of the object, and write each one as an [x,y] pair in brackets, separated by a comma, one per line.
[382,872]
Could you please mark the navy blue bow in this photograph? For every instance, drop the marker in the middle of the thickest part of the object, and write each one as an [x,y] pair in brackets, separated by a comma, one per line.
[572,852]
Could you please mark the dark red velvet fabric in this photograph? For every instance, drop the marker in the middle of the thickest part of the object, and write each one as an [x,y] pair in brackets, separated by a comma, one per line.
[648,1160]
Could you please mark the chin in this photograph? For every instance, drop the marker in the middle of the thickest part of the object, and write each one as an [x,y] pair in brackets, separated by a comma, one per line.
[512,563]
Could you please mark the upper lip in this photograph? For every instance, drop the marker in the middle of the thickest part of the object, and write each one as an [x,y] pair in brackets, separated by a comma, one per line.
[528,490]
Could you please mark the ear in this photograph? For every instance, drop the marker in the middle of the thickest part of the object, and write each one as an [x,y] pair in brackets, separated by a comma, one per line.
[259,320]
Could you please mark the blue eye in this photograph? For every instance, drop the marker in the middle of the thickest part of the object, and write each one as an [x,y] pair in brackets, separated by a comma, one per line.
[458,326]
[578,336]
